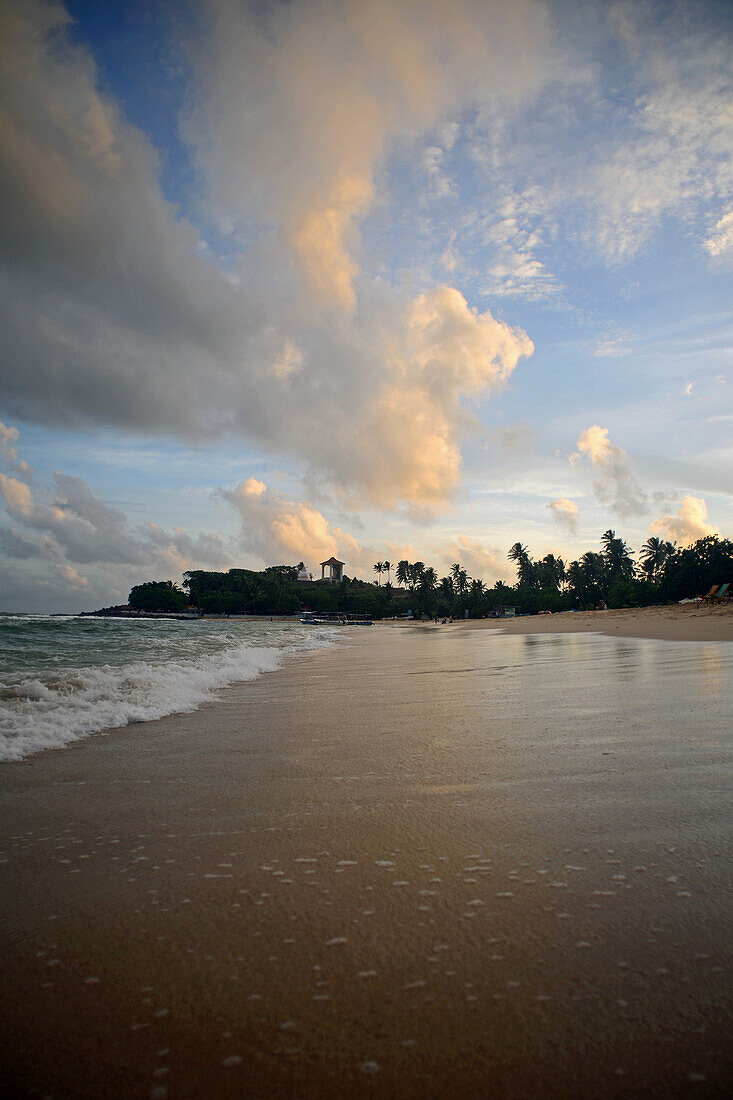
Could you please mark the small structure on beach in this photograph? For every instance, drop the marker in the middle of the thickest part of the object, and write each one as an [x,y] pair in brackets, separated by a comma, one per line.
[335,570]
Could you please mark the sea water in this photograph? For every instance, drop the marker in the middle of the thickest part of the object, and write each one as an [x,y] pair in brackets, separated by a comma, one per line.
[65,677]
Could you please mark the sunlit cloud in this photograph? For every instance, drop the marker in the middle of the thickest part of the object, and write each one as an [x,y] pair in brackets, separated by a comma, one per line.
[689,524]
[565,513]
[719,242]
[449,352]
[9,436]
[17,496]
[481,562]
[279,530]
[67,525]
[330,249]
[615,485]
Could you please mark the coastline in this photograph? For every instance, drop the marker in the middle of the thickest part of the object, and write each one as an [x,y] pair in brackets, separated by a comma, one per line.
[675,622]
[381,870]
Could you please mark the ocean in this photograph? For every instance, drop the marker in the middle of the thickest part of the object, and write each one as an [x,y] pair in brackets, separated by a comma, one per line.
[63,678]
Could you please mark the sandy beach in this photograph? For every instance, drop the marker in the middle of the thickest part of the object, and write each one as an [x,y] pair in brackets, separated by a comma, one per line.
[677,622]
[428,860]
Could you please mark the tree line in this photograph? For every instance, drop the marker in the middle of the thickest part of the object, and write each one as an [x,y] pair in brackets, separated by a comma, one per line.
[608,576]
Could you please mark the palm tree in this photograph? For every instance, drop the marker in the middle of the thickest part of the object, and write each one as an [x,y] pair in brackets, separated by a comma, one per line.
[386,566]
[593,572]
[428,579]
[576,581]
[517,552]
[655,553]
[550,571]
[378,569]
[617,555]
[446,589]
[476,592]
[416,571]
[402,573]
[525,568]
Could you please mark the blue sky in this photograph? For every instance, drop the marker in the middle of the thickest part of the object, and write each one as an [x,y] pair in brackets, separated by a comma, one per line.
[379,279]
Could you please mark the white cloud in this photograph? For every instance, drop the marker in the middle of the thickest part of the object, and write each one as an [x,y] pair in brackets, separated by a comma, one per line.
[613,347]
[719,241]
[616,485]
[71,577]
[288,362]
[9,436]
[448,352]
[677,151]
[439,183]
[281,531]
[627,140]
[301,104]
[688,525]
[481,562]
[67,523]
[113,314]
[565,512]
[17,496]
[515,236]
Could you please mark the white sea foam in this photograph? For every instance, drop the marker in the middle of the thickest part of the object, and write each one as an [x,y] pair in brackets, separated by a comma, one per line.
[49,705]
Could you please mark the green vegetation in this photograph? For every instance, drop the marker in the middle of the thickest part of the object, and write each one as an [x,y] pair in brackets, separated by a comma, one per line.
[607,576]
[157,596]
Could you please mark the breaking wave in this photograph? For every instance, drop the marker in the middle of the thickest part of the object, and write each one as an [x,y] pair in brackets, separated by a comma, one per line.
[51,702]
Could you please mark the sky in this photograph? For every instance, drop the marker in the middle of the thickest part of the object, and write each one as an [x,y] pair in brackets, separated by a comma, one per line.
[382,279]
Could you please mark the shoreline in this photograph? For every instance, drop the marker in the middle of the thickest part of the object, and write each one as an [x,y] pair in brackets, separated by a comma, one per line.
[399,866]
[676,622]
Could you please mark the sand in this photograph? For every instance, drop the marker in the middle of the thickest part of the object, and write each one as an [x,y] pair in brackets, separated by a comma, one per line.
[381,872]
[677,622]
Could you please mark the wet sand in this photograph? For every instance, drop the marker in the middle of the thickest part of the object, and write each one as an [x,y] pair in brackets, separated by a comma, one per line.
[678,622]
[409,866]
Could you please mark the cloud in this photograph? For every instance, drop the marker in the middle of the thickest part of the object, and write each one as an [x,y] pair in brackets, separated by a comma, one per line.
[636,132]
[288,362]
[181,551]
[480,561]
[414,426]
[613,347]
[300,105]
[719,242]
[616,485]
[688,525]
[565,512]
[439,183]
[278,530]
[516,237]
[14,545]
[71,577]
[108,313]
[114,311]
[17,497]
[68,524]
[677,150]
[9,436]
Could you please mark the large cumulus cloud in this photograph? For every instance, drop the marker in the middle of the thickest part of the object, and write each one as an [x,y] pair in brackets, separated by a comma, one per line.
[115,312]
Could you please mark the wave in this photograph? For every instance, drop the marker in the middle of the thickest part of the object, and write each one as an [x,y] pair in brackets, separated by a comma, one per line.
[48,711]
